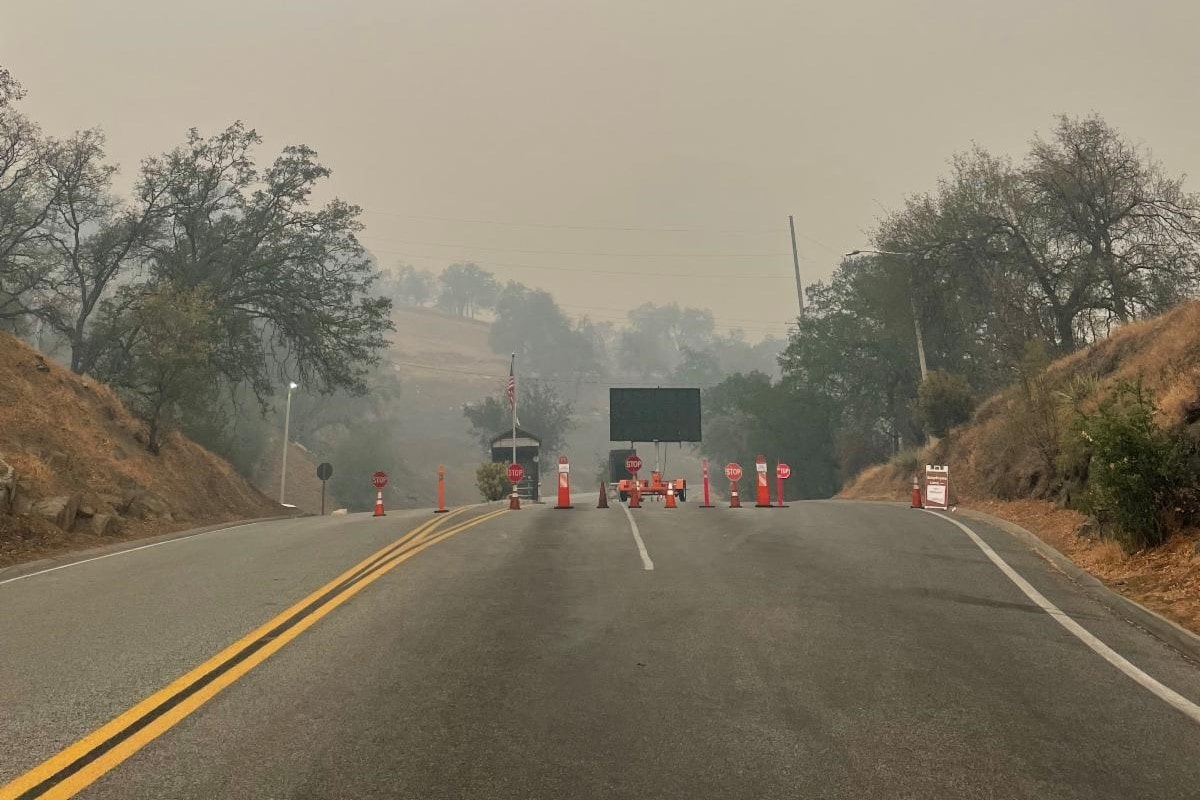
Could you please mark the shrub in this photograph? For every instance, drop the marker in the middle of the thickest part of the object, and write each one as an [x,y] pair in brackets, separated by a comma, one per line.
[907,462]
[943,401]
[492,480]
[1139,475]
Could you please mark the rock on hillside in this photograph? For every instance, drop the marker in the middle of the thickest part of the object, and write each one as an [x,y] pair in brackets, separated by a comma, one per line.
[80,470]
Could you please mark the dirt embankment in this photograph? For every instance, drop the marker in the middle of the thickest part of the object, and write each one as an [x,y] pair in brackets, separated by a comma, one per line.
[81,472]
[998,462]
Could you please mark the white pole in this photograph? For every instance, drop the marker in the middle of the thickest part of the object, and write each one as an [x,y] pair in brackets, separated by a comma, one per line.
[514,409]
[287,421]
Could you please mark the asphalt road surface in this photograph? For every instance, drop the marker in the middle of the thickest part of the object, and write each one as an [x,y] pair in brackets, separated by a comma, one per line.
[827,650]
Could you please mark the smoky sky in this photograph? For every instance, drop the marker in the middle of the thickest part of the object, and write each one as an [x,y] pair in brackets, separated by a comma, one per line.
[616,152]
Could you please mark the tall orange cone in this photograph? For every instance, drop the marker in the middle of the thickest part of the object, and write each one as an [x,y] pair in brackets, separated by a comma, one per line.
[916,493]
[671,496]
[635,496]
[379,512]
[603,503]
[441,509]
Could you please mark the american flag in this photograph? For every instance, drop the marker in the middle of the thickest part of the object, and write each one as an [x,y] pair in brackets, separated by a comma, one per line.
[510,388]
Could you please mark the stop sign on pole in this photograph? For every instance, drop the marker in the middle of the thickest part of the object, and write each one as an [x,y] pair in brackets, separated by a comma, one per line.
[516,473]
[733,471]
[379,480]
[783,470]
[633,464]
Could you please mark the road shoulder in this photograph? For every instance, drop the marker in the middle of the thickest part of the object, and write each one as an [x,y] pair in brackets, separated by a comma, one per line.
[1169,632]
[70,557]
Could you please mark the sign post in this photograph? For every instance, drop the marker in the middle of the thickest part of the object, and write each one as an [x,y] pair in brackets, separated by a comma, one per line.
[516,474]
[782,473]
[937,486]
[324,473]
[733,471]
[379,480]
[762,497]
[564,483]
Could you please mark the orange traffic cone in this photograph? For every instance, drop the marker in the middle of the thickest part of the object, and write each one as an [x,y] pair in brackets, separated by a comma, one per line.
[671,496]
[379,512]
[635,498]
[603,496]
[916,494]
[734,500]
[514,502]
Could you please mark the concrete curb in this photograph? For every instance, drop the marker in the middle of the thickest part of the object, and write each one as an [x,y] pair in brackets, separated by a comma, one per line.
[1171,633]
[17,570]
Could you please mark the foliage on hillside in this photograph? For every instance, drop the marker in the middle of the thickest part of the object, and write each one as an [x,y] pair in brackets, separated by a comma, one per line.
[65,436]
[1113,429]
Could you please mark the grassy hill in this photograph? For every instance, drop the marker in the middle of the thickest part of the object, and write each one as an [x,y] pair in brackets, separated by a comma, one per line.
[75,450]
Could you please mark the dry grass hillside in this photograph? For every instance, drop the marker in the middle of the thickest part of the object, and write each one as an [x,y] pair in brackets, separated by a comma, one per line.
[81,473]
[996,455]
[443,362]
[997,464]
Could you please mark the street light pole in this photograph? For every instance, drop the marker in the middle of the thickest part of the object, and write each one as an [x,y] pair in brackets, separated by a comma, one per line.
[287,421]
[912,302]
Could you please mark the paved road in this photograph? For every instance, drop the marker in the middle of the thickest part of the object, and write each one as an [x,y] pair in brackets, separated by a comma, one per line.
[828,650]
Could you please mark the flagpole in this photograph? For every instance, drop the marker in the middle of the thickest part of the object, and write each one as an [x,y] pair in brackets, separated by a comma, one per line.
[513,369]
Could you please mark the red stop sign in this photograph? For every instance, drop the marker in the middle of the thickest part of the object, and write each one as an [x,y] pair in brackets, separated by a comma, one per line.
[783,470]
[733,471]
[379,480]
[516,473]
[633,464]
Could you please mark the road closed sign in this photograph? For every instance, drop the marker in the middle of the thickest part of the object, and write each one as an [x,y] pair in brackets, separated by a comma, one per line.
[937,486]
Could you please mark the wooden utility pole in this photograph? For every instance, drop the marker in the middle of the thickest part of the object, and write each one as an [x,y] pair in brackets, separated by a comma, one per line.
[796,264]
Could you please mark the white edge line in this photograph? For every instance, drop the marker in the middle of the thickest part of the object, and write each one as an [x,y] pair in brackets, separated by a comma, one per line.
[1164,693]
[129,550]
[647,564]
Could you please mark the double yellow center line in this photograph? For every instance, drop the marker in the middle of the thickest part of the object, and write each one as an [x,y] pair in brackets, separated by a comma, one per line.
[85,761]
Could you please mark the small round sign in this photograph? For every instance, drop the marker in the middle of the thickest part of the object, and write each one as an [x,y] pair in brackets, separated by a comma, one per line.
[733,471]
[633,464]
[324,471]
[783,470]
[516,473]
[379,480]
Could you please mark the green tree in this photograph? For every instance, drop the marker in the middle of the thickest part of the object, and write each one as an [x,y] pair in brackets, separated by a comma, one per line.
[541,410]
[162,358]
[290,284]
[408,286]
[652,344]
[530,323]
[943,401]
[465,289]
[747,415]
[360,452]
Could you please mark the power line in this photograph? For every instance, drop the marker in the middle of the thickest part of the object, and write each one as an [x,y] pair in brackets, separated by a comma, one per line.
[604,254]
[585,272]
[514,224]
[715,318]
